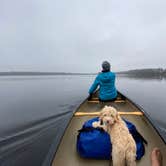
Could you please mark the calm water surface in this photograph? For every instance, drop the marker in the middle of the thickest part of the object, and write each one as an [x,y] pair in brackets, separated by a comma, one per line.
[34,111]
[149,94]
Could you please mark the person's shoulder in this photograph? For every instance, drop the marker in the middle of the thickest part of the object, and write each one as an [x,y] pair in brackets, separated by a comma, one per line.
[112,74]
[98,75]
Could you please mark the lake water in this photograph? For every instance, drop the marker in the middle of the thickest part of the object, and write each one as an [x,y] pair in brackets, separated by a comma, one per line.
[34,111]
[149,94]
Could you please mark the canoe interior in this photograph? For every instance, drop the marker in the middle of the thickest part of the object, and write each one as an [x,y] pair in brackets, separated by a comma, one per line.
[67,154]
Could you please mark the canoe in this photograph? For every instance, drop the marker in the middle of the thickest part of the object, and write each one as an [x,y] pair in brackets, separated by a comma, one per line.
[66,154]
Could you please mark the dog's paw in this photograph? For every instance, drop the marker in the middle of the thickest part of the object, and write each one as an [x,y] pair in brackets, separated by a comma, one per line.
[95,124]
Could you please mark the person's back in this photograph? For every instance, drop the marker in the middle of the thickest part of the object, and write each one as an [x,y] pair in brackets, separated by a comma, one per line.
[106,81]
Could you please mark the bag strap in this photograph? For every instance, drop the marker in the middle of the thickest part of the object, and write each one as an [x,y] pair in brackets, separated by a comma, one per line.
[143,139]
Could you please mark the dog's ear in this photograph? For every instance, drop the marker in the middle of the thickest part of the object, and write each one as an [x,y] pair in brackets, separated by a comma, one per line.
[101,113]
[117,118]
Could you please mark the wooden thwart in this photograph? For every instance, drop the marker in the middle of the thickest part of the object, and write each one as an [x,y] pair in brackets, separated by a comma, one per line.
[98,113]
[96,98]
[116,101]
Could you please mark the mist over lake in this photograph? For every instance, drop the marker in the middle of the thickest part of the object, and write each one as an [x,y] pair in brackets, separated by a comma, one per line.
[35,110]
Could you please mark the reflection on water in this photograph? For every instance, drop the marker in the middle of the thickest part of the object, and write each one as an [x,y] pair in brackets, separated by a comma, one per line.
[34,111]
[142,77]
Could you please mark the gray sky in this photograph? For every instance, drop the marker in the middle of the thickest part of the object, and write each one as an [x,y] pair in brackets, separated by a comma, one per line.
[76,36]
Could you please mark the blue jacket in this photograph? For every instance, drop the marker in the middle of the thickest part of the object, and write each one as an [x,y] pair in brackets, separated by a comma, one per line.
[106,83]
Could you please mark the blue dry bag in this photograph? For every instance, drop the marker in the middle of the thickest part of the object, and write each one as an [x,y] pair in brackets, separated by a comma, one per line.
[95,143]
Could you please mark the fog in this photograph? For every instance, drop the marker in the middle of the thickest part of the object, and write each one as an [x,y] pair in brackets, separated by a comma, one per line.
[76,36]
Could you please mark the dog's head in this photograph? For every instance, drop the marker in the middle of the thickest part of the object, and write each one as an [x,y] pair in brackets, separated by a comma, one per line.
[109,115]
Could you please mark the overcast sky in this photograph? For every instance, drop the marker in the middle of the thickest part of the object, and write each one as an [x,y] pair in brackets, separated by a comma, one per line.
[76,36]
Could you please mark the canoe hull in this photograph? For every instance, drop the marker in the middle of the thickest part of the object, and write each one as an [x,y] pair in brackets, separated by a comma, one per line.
[67,154]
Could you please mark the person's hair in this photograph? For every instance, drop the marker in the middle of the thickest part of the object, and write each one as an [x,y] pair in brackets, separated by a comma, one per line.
[106,66]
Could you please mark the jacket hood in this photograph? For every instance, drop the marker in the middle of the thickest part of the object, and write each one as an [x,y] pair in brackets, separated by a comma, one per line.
[105,77]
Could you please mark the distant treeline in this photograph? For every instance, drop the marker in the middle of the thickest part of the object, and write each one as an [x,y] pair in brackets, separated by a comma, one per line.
[40,73]
[144,73]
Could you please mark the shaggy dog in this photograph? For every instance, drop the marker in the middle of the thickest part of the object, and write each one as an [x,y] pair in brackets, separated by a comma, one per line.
[123,144]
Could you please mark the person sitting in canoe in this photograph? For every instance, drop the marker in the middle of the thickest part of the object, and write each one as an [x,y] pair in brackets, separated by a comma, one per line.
[106,82]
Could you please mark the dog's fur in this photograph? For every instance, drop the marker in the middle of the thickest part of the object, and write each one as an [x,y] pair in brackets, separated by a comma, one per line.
[123,144]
